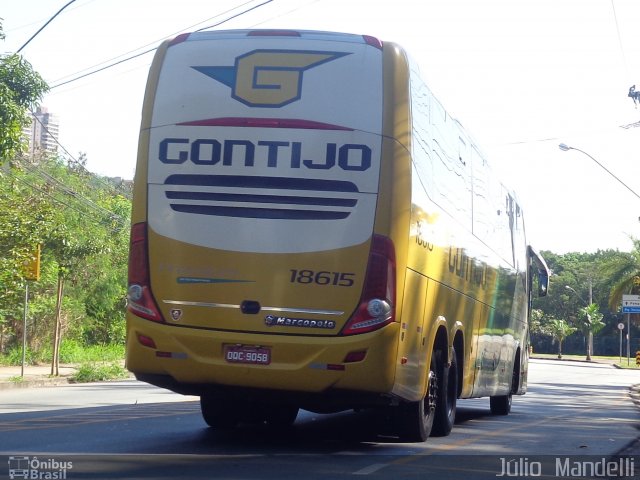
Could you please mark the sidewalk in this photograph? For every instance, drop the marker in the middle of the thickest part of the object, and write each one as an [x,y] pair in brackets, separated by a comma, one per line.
[34,376]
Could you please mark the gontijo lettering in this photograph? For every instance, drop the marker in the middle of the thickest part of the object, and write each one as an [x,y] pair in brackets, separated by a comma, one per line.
[207,151]
[268,78]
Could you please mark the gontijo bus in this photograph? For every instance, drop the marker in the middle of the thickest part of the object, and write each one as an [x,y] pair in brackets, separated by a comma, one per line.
[311,229]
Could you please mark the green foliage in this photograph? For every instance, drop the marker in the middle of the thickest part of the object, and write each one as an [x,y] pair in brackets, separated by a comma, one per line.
[14,356]
[623,271]
[578,278]
[20,88]
[559,330]
[82,223]
[591,319]
[535,322]
[95,372]
[72,351]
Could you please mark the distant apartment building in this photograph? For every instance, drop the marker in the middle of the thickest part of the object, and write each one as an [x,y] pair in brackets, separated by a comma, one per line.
[43,132]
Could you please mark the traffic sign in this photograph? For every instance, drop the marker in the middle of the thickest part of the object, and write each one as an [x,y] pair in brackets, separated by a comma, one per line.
[630,303]
[621,326]
[32,266]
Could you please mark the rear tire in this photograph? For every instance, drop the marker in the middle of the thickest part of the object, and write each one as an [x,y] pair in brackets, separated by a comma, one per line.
[415,419]
[219,412]
[281,416]
[445,413]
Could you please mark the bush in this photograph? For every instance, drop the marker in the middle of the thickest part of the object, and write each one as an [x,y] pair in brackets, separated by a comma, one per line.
[71,351]
[94,372]
[14,357]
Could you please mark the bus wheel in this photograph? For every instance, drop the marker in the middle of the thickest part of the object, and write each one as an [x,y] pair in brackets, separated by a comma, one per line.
[220,412]
[281,416]
[501,404]
[415,419]
[445,412]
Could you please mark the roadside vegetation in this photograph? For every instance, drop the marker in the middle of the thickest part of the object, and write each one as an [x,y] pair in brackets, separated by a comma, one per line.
[585,302]
[63,234]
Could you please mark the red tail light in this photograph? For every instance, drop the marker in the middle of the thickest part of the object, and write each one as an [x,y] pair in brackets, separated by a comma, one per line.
[377,304]
[140,299]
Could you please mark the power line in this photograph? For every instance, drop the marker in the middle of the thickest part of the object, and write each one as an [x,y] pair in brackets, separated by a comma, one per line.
[54,182]
[150,44]
[42,27]
[111,65]
[107,214]
[624,57]
[75,161]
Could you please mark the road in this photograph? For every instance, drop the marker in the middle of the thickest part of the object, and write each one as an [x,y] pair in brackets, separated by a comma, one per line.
[573,411]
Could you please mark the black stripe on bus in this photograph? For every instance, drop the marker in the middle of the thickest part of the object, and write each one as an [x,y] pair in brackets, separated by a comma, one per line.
[268,213]
[240,181]
[281,199]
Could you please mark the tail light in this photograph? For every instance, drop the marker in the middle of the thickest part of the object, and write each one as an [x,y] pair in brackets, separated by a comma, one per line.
[140,299]
[376,307]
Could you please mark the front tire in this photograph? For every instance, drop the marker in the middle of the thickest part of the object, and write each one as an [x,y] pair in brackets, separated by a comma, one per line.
[501,404]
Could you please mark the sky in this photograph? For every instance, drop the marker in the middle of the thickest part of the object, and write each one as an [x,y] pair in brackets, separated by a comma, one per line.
[522,76]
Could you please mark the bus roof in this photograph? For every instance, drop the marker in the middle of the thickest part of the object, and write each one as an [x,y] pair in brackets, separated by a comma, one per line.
[306,34]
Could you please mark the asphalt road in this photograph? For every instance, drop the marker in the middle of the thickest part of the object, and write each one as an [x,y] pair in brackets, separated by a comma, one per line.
[577,414]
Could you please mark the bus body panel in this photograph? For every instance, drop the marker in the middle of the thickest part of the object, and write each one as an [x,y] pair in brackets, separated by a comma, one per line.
[307,364]
[280,214]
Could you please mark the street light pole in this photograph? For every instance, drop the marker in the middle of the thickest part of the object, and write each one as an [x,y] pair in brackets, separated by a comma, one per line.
[566,148]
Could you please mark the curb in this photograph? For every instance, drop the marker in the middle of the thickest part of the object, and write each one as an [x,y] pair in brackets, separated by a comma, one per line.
[634,393]
[35,383]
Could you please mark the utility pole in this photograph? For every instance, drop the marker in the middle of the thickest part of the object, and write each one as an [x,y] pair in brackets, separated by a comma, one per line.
[590,348]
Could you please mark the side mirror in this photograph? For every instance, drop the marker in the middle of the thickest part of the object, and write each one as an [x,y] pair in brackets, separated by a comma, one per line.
[543,283]
[538,264]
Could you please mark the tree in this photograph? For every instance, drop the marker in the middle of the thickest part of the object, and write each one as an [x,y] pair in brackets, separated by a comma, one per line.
[21,88]
[591,323]
[623,270]
[82,222]
[26,217]
[559,330]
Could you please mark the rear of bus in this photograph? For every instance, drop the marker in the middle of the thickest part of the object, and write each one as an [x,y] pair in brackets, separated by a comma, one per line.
[255,265]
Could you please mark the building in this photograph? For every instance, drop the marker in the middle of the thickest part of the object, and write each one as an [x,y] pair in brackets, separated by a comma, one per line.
[42,134]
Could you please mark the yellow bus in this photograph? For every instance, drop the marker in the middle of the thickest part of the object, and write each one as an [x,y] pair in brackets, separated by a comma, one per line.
[311,229]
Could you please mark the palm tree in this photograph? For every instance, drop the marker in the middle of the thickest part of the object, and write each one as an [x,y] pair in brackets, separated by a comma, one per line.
[623,271]
[559,330]
[591,324]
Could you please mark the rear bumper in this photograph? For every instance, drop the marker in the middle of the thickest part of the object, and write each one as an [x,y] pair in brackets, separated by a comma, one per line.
[191,361]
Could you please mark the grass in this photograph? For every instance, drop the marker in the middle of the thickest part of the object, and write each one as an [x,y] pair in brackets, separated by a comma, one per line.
[594,358]
[99,372]
[71,351]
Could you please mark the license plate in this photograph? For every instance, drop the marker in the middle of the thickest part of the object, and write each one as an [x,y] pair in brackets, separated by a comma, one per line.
[247,354]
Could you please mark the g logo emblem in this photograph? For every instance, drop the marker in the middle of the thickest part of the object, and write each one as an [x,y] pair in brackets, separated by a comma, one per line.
[269,78]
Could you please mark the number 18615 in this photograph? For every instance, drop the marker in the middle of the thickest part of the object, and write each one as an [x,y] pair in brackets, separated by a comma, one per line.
[340,279]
